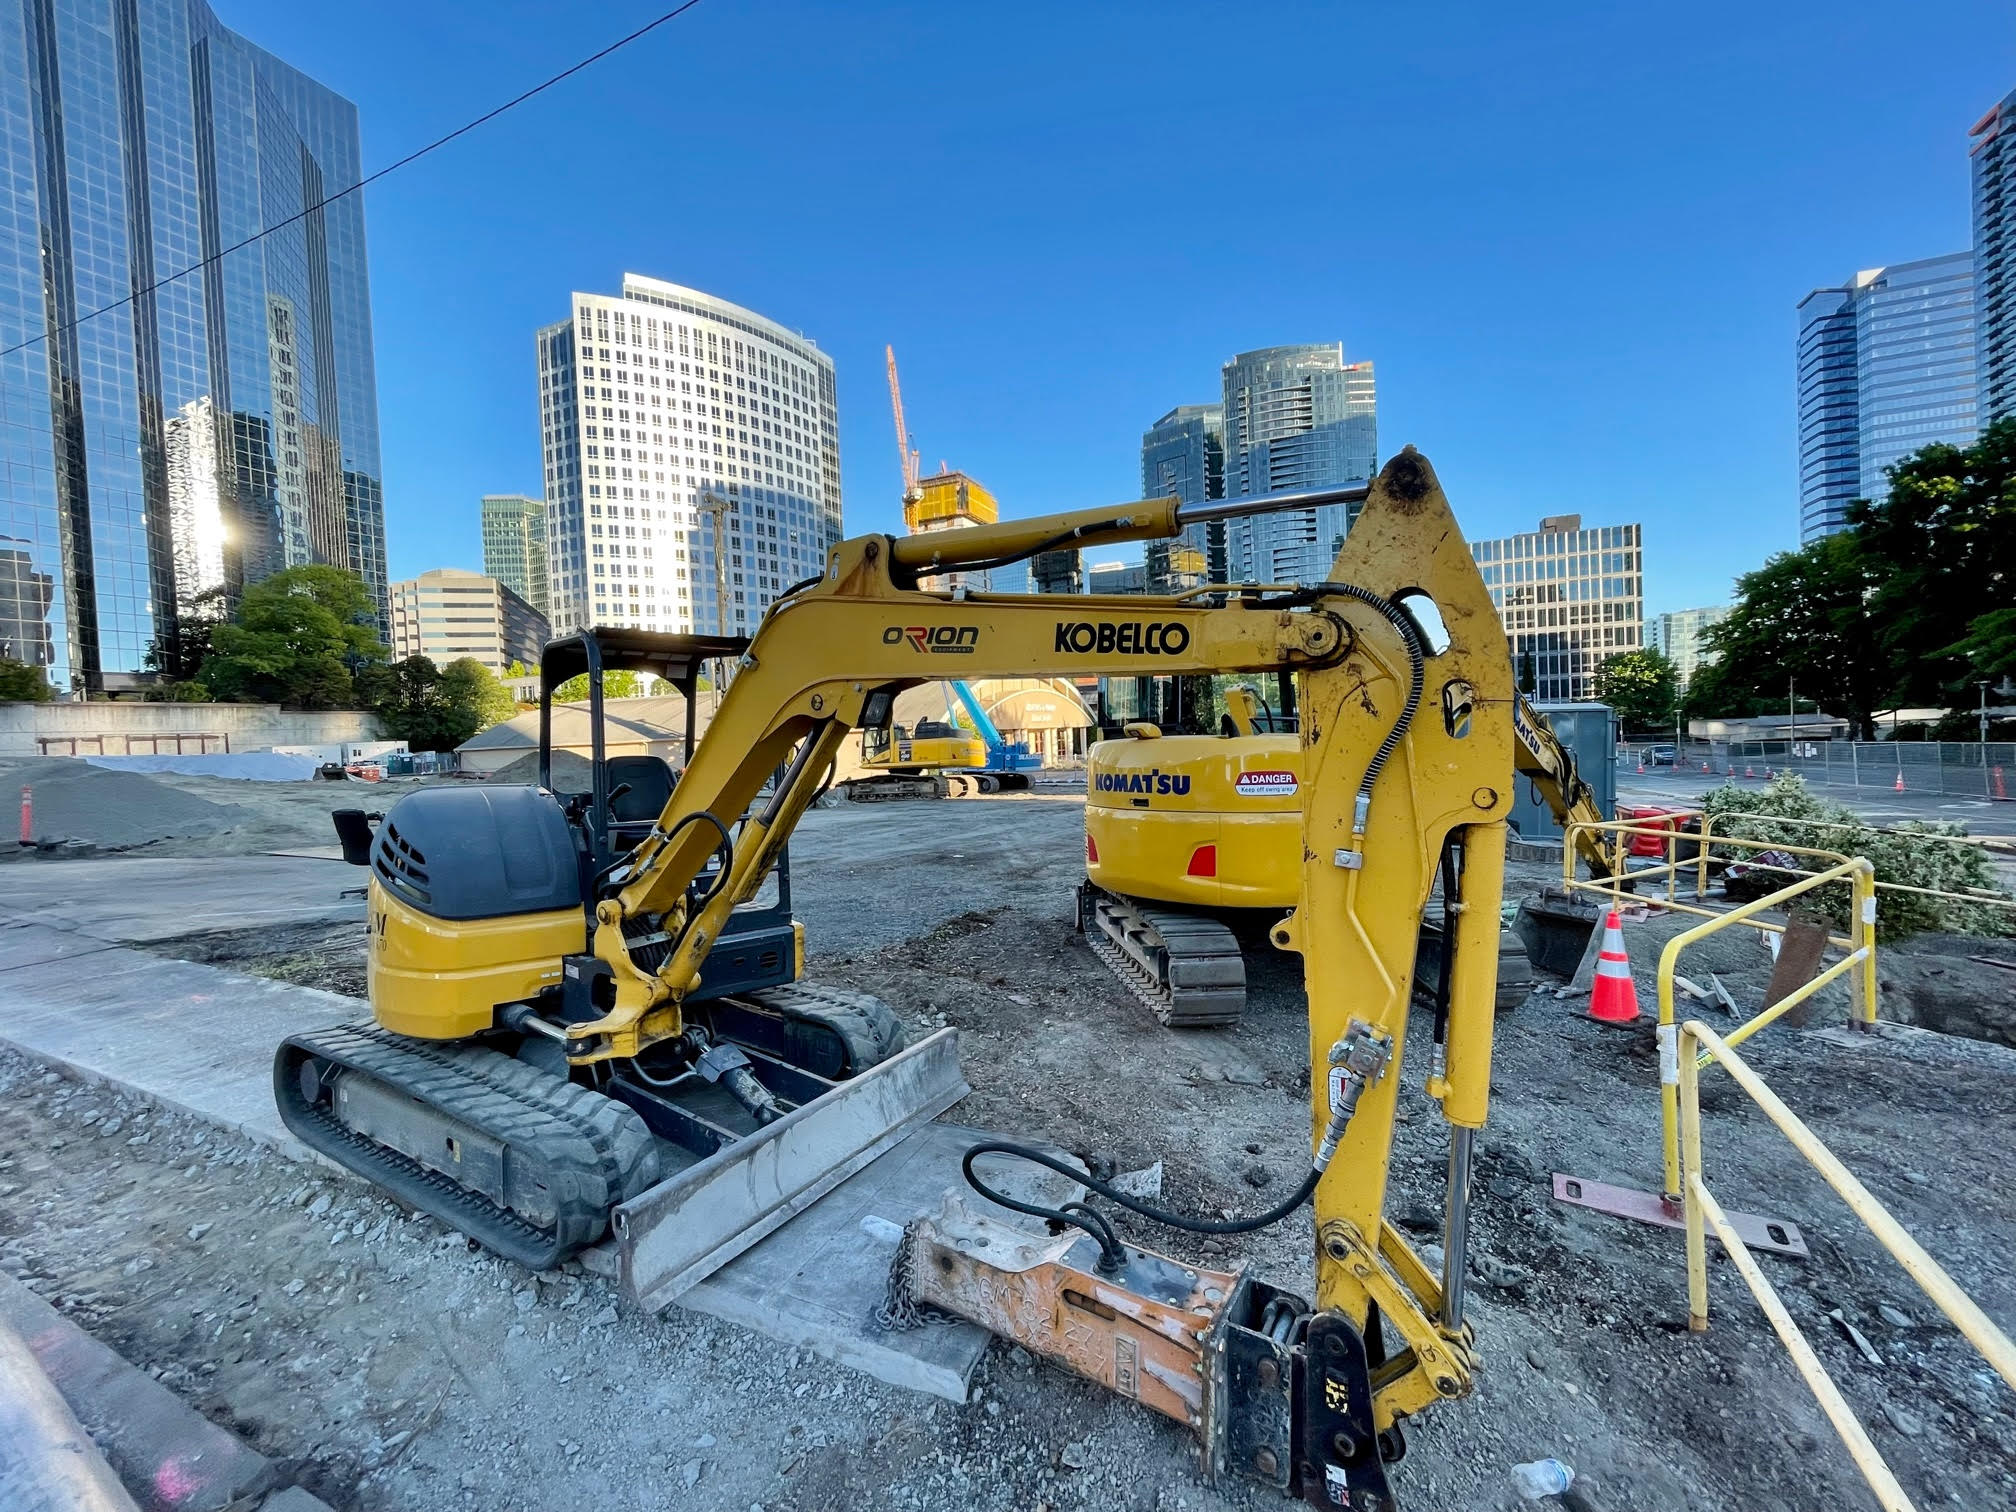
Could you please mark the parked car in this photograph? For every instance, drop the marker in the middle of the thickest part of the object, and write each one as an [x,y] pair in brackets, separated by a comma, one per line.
[1661,755]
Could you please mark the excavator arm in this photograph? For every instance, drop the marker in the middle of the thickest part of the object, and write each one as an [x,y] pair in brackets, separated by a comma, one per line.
[1408,754]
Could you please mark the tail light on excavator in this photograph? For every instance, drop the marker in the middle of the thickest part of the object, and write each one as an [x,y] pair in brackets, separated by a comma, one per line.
[1091,852]
[1203,862]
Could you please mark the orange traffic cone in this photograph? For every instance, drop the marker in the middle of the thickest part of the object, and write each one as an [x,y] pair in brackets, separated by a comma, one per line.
[1749,772]
[1899,785]
[1641,769]
[1615,1000]
[1767,774]
[1704,766]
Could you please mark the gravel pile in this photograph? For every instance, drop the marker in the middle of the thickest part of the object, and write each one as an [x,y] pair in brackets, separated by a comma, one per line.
[571,773]
[77,803]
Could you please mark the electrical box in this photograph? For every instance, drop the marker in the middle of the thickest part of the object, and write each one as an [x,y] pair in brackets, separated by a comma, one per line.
[1589,730]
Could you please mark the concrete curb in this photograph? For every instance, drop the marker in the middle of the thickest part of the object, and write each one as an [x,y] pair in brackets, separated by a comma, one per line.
[172,1457]
[47,1461]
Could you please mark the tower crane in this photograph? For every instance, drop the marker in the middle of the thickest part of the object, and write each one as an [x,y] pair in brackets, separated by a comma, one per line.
[906,448]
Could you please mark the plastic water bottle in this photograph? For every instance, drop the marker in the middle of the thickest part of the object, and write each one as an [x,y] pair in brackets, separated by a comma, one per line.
[1540,1479]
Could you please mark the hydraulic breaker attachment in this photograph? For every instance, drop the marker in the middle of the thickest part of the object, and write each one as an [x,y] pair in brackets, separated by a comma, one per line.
[1273,1391]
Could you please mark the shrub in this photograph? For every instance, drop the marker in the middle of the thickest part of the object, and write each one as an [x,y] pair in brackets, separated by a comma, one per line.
[1905,854]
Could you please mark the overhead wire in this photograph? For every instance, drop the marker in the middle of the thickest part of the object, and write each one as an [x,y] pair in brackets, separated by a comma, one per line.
[370,178]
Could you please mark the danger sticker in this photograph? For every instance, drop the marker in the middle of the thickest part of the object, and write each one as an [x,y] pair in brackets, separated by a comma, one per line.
[1266,784]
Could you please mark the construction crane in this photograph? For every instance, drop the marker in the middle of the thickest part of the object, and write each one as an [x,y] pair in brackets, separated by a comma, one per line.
[906,446]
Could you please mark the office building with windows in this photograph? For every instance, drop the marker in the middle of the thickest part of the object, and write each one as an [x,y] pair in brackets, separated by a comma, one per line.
[1993,161]
[1570,599]
[514,545]
[1183,454]
[1678,635]
[1886,365]
[203,432]
[447,614]
[668,415]
[1295,417]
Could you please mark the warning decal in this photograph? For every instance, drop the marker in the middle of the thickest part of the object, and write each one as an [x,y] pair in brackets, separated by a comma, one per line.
[1266,784]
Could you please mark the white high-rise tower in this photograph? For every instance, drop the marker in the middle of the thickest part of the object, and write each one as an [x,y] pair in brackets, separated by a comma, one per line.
[652,398]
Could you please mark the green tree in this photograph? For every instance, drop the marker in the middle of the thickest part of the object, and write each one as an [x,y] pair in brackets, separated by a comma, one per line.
[433,708]
[23,684]
[1803,621]
[614,685]
[177,652]
[1642,686]
[1940,552]
[470,686]
[300,639]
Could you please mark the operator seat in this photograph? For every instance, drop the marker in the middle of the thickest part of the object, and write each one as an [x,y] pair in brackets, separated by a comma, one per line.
[631,816]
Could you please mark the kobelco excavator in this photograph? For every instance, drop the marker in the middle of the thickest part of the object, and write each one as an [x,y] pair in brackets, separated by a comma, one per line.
[527,1026]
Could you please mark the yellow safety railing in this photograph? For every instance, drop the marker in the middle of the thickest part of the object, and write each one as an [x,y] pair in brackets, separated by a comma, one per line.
[1859,944]
[1703,1212]
[1859,874]
[1987,843]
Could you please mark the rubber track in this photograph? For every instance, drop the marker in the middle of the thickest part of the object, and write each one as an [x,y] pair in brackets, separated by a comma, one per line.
[866,1025]
[595,1152]
[1184,938]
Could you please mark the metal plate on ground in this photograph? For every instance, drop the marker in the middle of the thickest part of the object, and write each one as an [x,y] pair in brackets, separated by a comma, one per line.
[692,1223]
[1776,1236]
[816,1282]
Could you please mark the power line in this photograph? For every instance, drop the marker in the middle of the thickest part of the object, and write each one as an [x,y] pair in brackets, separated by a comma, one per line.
[372,178]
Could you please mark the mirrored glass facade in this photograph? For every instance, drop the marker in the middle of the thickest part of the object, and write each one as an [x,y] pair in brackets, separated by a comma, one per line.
[1570,599]
[156,458]
[1183,454]
[1295,417]
[1993,160]
[1886,366]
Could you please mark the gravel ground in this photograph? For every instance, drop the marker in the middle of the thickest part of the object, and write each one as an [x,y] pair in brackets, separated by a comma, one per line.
[399,1370]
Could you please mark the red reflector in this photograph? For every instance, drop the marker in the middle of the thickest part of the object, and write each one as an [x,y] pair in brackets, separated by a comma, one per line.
[1091,852]
[1204,861]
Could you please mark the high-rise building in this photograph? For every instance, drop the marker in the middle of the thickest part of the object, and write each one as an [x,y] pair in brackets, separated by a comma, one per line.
[949,500]
[449,613]
[514,545]
[1994,169]
[1295,417]
[1183,454]
[1117,577]
[1678,635]
[206,431]
[1570,599]
[1886,366]
[652,398]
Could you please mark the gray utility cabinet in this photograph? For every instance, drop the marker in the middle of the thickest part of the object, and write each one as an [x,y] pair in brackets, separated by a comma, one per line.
[1589,730]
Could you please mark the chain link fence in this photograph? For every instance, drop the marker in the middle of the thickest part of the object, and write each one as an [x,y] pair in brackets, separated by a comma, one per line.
[1948,768]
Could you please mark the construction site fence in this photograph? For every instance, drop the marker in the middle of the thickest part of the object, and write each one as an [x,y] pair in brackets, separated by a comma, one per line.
[1699,1046]
[1946,768]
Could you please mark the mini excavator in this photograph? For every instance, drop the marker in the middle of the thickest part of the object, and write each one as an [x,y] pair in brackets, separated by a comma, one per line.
[546,1017]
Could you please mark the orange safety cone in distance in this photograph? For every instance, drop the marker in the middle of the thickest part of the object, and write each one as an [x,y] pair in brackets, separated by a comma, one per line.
[1615,998]
[1749,771]
[1899,785]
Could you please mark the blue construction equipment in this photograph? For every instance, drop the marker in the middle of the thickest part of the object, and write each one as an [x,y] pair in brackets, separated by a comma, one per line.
[1005,758]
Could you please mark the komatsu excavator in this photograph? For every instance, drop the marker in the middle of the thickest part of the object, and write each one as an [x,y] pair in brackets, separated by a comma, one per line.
[526,1024]
[1193,840]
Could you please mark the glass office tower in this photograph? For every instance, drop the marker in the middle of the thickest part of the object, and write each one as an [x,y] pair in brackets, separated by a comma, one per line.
[1992,159]
[156,458]
[1183,454]
[1295,417]
[1886,366]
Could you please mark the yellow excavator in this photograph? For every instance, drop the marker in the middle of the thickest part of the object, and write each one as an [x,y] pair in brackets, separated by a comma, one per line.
[1192,845]
[532,1018]
[929,759]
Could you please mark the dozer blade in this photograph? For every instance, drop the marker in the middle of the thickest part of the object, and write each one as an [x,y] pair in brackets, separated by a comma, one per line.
[688,1226]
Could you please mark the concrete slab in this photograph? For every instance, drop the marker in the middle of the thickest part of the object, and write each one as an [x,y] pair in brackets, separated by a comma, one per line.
[169,1457]
[128,900]
[196,1038]
[815,1283]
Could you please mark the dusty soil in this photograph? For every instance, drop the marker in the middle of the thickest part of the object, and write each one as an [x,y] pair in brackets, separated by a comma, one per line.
[405,1371]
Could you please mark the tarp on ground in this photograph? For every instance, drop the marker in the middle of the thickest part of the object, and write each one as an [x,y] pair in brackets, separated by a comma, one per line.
[251,766]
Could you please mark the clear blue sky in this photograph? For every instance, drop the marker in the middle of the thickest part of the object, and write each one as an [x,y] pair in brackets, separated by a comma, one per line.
[1571,236]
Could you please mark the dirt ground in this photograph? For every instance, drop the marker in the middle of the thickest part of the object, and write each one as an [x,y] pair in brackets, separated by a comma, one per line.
[399,1370]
